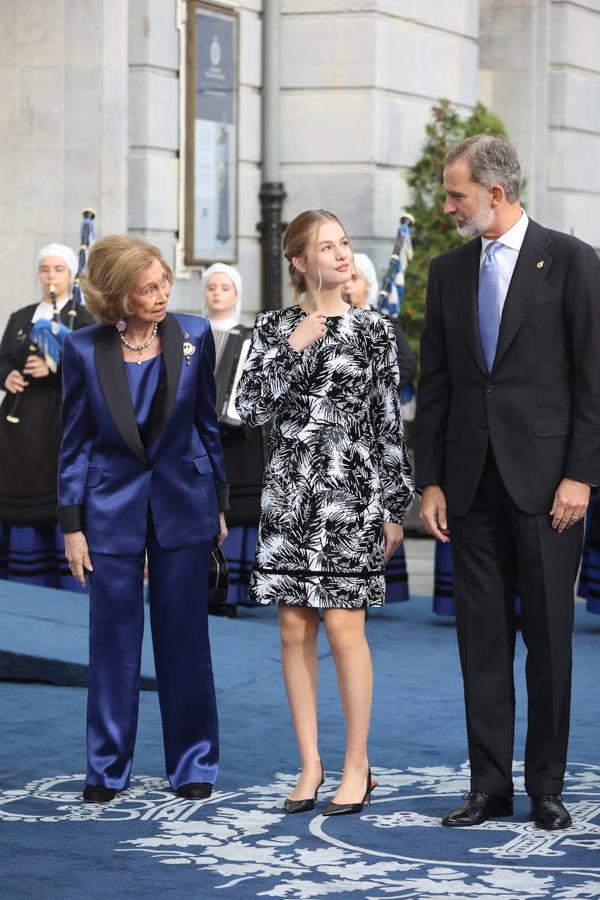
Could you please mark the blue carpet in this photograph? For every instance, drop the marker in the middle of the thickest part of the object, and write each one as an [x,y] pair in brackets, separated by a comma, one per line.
[44,636]
[240,844]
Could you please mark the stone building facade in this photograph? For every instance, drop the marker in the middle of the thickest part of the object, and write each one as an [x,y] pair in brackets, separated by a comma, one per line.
[92,114]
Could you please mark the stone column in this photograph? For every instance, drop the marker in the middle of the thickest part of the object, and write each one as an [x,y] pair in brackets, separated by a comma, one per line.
[514,84]
[153,100]
[573,169]
[358,87]
[63,120]
[540,72]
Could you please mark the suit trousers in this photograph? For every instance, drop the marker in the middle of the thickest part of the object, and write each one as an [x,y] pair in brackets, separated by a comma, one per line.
[178,590]
[498,550]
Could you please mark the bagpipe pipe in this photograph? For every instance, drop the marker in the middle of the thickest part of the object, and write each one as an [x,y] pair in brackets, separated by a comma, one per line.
[86,236]
[46,336]
[391,292]
[392,288]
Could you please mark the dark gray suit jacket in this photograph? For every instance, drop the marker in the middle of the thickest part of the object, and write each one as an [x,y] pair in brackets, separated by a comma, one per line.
[540,404]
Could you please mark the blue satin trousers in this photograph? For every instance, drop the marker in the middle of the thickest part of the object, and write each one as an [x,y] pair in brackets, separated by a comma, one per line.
[178,581]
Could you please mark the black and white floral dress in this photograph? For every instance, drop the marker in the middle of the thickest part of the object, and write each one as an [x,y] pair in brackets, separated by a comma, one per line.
[337,465]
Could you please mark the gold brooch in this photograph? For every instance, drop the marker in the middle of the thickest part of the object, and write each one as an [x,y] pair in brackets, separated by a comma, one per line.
[540,265]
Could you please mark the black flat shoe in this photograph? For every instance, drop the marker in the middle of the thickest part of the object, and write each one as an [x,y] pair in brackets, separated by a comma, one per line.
[549,813]
[195,790]
[349,809]
[97,794]
[300,806]
[477,808]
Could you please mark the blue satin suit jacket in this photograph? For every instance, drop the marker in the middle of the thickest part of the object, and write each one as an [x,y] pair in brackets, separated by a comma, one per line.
[108,480]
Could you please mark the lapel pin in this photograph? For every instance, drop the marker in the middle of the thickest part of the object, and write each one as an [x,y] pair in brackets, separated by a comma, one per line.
[188,350]
[540,264]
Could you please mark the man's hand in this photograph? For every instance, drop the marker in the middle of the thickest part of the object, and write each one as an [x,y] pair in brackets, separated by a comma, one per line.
[78,557]
[222,528]
[36,367]
[393,535]
[15,383]
[570,503]
[311,329]
[433,512]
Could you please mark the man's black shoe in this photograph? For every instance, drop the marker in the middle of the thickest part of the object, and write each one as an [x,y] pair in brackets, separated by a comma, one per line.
[477,808]
[549,812]
[97,794]
[195,790]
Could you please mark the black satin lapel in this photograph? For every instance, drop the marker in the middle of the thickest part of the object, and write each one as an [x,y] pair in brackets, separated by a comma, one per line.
[466,277]
[113,381]
[171,338]
[525,284]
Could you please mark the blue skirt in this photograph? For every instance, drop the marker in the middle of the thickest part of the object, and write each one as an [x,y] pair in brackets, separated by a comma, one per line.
[589,576]
[240,552]
[443,581]
[35,555]
[396,578]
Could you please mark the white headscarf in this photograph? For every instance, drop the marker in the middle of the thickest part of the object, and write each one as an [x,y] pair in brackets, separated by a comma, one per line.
[63,252]
[364,264]
[235,276]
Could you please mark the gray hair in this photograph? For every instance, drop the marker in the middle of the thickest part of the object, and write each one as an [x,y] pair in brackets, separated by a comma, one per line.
[491,161]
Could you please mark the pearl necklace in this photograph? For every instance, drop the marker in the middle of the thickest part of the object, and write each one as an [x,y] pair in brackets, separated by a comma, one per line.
[139,347]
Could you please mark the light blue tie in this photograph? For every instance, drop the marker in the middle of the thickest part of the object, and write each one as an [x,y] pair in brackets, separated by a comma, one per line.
[489,305]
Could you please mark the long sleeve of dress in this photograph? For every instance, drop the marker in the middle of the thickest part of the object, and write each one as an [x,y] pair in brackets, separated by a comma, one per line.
[394,466]
[270,372]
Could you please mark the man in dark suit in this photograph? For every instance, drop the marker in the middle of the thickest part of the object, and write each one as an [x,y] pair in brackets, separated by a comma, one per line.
[507,447]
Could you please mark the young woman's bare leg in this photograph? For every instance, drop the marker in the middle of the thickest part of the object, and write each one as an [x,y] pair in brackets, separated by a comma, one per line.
[299,628]
[346,634]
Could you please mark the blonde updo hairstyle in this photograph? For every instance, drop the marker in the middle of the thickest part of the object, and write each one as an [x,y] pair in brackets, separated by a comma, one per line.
[296,239]
[114,266]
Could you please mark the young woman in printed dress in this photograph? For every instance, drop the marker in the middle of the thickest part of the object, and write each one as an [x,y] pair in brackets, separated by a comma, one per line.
[337,484]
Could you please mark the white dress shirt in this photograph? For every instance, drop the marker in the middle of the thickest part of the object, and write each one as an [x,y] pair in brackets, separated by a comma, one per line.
[507,255]
[224,324]
[45,310]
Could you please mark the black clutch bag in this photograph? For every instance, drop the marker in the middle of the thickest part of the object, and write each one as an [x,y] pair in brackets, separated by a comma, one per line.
[218,583]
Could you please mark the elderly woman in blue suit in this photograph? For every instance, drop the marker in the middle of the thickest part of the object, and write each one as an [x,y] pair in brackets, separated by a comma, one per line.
[141,471]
